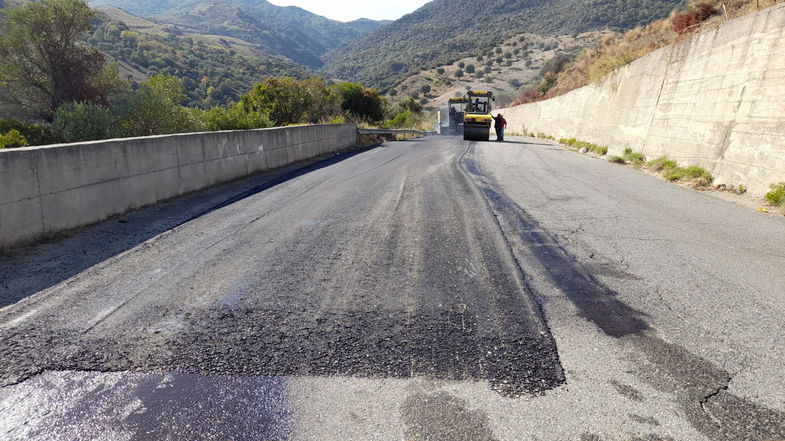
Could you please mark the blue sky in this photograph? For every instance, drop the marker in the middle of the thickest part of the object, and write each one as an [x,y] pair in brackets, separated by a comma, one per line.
[347,10]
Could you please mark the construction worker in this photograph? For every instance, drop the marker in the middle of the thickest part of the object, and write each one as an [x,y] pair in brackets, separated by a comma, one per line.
[499,123]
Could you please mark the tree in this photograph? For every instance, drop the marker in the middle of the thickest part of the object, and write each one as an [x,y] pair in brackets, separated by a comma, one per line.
[440,71]
[470,68]
[322,103]
[44,62]
[360,102]
[289,101]
[282,99]
[155,109]
[458,73]
[234,117]
[410,105]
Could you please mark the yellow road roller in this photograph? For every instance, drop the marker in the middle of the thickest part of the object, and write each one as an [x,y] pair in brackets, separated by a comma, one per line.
[477,120]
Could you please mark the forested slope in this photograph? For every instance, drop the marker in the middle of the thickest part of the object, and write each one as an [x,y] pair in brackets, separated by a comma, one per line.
[214,70]
[288,31]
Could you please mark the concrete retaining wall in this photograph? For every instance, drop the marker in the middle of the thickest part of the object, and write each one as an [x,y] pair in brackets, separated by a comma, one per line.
[716,100]
[45,190]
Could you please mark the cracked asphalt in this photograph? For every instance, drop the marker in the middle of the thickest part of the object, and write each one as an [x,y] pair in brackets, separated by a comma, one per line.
[423,290]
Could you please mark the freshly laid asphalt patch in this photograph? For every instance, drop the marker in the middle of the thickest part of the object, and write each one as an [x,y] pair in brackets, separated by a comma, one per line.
[384,265]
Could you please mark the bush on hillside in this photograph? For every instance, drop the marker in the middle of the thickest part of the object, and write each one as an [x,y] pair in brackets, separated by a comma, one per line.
[361,103]
[234,117]
[79,121]
[34,134]
[409,105]
[154,109]
[692,18]
[401,120]
[291,101]
[12,139]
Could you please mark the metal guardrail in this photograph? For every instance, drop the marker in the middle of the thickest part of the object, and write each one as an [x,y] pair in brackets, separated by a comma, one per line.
[391,132]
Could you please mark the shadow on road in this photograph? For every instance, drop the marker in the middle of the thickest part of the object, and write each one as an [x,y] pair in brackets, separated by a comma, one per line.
[34,268]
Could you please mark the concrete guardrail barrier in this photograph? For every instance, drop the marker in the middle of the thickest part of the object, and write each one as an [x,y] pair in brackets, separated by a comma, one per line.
[50,189]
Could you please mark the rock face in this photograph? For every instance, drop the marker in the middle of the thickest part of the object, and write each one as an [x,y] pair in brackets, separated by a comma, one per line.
[714,100]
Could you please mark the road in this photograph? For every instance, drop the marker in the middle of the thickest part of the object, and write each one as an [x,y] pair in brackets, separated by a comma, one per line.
[432,289]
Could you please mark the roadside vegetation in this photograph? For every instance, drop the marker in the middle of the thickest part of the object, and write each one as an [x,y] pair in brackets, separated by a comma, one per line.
[695,176]
[776,196]
[592,65]
[580,145]
[86,99]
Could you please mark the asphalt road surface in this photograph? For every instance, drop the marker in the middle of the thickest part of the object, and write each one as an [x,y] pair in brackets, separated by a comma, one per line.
[433,289]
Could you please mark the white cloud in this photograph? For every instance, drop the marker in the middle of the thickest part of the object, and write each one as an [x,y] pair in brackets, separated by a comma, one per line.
[347,10]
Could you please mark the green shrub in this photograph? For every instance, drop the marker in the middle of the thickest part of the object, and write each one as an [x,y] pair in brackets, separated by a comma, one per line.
[154,109]
[361,103]
[691,172]
[76,122]
[35,134]
[235,117]
[617,159]
[11,139]
[401,120]
[777,194]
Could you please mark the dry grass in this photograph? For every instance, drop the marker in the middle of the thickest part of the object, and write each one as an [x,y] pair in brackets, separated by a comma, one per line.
[594,65]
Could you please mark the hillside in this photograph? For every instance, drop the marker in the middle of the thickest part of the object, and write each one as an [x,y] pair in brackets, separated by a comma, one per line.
[444,31]
[214,69]
[597,61]
[505,70]
[287,31]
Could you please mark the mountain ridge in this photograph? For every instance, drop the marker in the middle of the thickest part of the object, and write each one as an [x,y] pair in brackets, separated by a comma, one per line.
[288,31]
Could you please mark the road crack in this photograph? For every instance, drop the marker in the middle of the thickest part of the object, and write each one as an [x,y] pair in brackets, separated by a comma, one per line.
[704,401]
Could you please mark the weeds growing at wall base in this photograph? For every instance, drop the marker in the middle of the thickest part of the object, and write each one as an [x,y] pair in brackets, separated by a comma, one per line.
[777,194]
[670,170]
[578,145]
